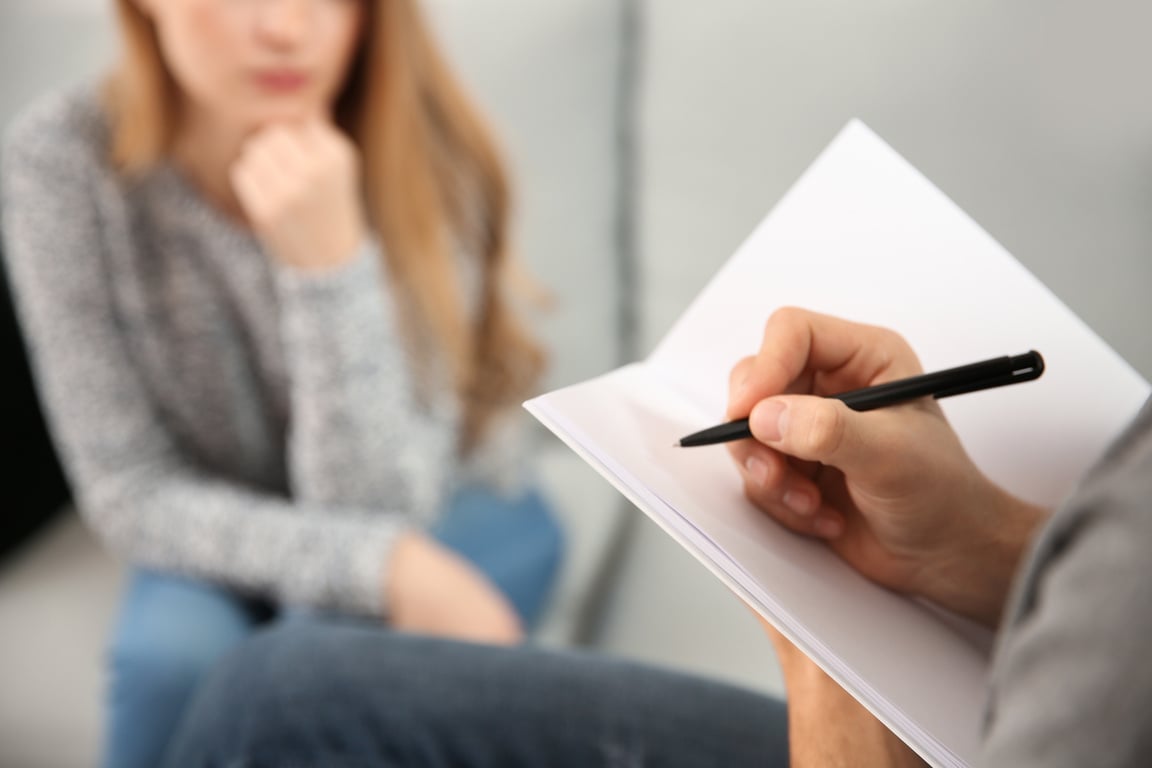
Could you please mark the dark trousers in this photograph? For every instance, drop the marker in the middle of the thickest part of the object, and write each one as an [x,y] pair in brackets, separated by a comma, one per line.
[338,694]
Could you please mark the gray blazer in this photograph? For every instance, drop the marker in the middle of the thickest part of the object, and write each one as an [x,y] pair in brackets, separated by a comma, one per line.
[1071,681]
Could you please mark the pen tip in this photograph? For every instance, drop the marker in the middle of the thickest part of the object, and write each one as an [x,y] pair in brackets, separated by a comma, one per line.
[677,444]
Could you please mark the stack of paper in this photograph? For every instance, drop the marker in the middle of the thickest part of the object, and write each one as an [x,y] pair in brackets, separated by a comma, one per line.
[861,235]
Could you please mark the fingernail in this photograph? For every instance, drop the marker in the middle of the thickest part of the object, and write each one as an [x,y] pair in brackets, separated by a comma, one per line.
[798,502]
[757,470]
[828,528]
[769,420]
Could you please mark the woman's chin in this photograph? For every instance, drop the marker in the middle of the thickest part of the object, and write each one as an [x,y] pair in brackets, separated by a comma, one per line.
[284,111]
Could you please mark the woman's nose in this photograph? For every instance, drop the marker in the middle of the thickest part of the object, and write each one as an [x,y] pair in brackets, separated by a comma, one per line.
[283,22]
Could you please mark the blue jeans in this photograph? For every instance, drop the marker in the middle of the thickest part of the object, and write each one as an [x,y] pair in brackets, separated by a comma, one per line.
[516,543]
[340,695]
[172,630]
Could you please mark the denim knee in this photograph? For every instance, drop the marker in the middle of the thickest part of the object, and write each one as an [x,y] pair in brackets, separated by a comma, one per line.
[170,632]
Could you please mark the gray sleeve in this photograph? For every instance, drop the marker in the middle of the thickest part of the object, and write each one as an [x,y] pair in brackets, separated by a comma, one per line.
[1072,682]
[139,492]
[359,433]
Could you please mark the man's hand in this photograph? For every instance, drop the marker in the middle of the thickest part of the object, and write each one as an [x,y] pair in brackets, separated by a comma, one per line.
[892,490]
[299,187]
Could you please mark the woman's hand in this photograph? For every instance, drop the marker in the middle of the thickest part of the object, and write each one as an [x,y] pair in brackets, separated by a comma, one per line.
[892,490]
[433,591]
[298,184]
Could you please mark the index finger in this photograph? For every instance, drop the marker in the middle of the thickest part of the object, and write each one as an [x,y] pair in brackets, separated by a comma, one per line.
[804,352]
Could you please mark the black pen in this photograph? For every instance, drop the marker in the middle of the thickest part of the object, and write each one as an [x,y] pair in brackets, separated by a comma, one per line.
[996,372]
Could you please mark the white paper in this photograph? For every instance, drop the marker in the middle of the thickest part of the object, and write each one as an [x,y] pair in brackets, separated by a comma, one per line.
[864,236]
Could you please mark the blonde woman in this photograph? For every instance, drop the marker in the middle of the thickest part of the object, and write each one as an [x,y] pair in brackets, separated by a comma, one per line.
[261,270]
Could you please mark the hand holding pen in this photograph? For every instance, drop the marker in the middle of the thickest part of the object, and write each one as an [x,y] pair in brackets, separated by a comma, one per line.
[997,372]
[892,491]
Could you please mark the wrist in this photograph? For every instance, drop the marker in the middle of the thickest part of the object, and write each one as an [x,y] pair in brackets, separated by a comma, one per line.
[410,553]
[338,251]
[975,576]
[433,591]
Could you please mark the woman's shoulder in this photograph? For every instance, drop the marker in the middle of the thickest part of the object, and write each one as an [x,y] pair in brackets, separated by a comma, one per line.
[68,125]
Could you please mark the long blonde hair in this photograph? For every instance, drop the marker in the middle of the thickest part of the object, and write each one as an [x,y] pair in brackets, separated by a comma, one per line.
[434,183]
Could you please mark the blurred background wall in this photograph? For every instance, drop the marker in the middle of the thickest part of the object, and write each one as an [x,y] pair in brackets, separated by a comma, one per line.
[1031,115]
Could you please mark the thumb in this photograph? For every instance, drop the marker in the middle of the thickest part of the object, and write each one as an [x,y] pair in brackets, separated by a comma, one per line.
[814,429]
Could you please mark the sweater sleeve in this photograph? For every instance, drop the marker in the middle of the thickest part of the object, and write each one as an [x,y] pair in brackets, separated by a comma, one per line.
[1071,682]
[359,433]
[136,488]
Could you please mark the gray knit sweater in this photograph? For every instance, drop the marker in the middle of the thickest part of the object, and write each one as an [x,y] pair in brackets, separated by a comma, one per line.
[218,415]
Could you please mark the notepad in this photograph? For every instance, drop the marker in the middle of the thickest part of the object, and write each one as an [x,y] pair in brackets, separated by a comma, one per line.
[861,235]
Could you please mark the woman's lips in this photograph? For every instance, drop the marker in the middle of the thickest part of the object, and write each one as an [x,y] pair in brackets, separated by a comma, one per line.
[281,80]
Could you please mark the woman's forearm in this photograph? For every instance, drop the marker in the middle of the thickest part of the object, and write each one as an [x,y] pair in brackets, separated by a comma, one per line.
[361,432]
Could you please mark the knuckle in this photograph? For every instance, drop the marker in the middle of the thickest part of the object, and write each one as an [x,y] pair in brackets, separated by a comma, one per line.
[775,512]
[787,322]
[756,494]
[786,316]
[893,341]
[775,473]
[781,317]
[894,344]
[740,371]
[738,451]
[764,468]
[825,432]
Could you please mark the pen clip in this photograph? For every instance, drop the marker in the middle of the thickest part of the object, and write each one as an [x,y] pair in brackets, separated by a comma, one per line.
[1025,367]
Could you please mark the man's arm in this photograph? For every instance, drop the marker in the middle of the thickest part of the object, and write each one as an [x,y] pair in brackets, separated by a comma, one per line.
[827,728]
